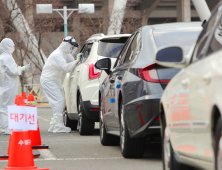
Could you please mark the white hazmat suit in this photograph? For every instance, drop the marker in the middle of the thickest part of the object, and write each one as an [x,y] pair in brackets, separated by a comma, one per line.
[58,62]
[9,72]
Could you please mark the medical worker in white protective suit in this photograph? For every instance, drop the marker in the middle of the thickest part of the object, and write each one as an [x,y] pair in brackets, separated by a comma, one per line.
[9,72]
[59,61]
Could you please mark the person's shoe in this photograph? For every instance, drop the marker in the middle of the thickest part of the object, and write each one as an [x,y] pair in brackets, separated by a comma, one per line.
[59,127]
[52,123]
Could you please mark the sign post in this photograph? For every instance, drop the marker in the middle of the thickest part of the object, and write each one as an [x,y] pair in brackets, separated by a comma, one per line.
[47,8]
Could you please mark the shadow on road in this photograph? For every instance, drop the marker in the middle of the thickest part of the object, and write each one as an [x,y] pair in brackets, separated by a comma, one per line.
[153,150]
[96,132]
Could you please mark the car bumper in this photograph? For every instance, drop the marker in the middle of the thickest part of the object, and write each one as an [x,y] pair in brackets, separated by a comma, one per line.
[91,111]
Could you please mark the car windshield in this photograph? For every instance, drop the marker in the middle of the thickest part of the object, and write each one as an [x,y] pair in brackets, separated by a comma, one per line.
[111,47]
[183,37]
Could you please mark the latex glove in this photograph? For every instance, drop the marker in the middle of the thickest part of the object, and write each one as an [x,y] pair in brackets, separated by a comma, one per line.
[78,56]
[25,68]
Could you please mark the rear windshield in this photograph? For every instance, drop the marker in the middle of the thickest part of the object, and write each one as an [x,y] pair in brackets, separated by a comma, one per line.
[111,47]
[184,37]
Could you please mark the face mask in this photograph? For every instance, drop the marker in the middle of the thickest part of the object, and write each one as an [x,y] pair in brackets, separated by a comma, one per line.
[12,49]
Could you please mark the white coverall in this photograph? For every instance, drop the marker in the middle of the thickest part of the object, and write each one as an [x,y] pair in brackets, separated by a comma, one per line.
[9,72]
[59,61]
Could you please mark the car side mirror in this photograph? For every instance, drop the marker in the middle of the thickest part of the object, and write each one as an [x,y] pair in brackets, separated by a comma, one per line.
[104,64]
[170,57]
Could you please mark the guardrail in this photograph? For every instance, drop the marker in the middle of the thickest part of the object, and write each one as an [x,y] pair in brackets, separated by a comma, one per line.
[37,91]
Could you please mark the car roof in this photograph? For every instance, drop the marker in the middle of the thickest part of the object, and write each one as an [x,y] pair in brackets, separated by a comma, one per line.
[102,36]
[175,25]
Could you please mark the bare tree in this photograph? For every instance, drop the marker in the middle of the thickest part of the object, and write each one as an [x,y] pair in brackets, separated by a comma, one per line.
[48,30]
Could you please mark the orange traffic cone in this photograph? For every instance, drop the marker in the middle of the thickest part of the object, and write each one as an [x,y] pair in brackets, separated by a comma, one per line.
[21,143]
[24,97]
[16,99]
[31,99]
[36,139]
[5,157]
[20,101]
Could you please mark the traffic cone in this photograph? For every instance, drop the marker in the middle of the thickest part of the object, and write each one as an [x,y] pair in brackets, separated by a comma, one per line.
[21,143]
[5,157]
[16,99]
[31,99]
[24,97]
[20,101]
[36,139]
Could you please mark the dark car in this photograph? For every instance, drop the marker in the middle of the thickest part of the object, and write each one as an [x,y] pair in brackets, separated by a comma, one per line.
[130,94]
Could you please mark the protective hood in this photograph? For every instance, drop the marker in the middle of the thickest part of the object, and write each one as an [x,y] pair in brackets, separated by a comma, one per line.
[65,47]
[69,45]
[7,46]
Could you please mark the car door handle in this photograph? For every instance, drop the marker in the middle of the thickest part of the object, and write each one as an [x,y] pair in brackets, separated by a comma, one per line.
[120,77]
[207,77]
[111,80]
[125,85]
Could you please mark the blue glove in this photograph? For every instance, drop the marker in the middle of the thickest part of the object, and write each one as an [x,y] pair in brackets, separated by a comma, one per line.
[25,68]
[78,56]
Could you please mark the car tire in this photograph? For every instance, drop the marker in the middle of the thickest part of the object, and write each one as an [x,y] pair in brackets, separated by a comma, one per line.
[68,122]
[130,148]
[86,125]
[106,139]
[218,145]
[169,159]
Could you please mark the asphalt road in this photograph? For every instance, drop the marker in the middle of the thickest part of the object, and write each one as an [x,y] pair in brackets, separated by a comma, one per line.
[71,151]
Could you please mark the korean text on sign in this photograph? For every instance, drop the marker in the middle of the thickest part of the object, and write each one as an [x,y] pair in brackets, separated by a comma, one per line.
[22,117]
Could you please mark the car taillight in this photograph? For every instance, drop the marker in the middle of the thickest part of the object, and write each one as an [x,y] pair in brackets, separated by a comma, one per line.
[93,72]
[149,73]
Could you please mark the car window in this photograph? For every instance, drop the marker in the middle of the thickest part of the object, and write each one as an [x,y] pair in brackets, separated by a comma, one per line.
[86,52]
[121,56]
[187,37]
[216,42]
[111,47]
[131,49]
[200,48]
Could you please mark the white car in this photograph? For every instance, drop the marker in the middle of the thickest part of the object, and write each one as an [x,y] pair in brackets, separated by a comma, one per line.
[191,105]
[81,85]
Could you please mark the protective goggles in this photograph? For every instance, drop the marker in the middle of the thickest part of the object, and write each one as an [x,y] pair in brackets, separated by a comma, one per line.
[71,41]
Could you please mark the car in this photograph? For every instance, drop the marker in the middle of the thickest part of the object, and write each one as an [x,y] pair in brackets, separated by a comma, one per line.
[191,105]
[81,85]
[130,95]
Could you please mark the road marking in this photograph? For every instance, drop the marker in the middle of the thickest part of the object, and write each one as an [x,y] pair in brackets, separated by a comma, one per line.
[71,159]
[88,139]
[47,154]
[79,159]
[43,119]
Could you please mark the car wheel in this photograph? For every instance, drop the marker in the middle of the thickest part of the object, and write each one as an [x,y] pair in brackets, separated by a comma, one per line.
[130,148]
[106,139]
[169,158]
[68,122]
[218,145]
[86,126]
